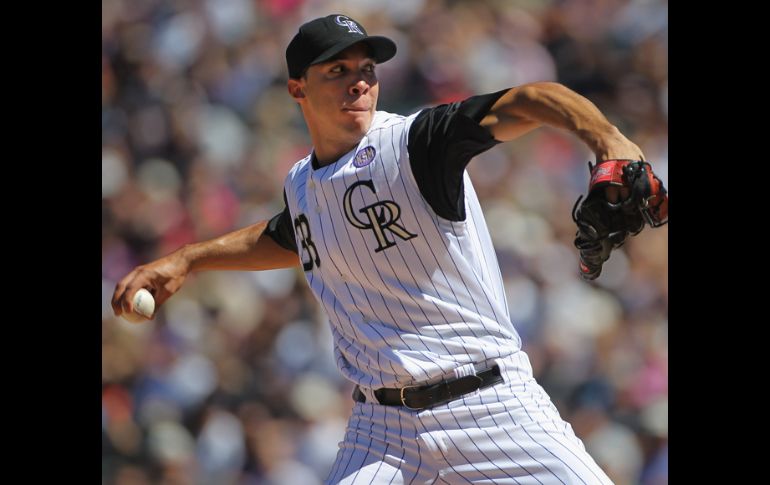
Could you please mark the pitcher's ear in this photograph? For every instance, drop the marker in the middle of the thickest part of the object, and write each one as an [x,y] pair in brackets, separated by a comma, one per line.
[296,88]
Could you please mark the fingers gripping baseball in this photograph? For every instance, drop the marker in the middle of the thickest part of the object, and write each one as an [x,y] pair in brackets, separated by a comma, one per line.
[161,278]
[623,195]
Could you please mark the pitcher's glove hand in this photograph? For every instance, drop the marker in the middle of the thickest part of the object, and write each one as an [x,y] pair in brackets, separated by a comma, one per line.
[604,225]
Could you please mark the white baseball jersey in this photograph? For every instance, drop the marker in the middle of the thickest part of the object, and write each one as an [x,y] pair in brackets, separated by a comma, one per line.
[410,295]
[395,247]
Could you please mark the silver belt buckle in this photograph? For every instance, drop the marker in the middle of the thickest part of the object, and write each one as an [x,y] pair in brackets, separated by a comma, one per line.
[403,401]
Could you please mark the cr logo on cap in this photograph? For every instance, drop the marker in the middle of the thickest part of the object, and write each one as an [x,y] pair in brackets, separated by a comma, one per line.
[346,22]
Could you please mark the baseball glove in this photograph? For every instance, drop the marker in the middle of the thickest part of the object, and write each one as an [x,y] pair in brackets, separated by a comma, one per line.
[603,225]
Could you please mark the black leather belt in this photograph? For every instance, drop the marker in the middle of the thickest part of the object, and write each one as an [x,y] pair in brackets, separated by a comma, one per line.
[424,397]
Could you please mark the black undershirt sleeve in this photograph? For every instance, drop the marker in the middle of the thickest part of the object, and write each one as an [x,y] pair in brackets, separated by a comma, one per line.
[281,229]
[441,142]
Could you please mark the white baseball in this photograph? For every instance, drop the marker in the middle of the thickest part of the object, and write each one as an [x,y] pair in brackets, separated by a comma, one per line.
[144,306]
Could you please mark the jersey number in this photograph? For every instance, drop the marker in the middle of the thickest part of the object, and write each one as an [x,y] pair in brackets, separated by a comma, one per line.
[301,224]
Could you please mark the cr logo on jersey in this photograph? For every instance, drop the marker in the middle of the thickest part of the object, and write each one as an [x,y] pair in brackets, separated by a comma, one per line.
[346,22]
[381,217]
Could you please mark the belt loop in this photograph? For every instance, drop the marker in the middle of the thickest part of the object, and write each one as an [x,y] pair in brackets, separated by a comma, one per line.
[465,370]
[369,393]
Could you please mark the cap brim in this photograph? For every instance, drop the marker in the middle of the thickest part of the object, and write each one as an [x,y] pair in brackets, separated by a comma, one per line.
[383,48]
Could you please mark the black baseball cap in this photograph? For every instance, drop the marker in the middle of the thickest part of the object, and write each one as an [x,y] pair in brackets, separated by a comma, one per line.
[323,38]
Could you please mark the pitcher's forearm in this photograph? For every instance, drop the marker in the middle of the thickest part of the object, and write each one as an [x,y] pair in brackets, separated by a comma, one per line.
[524,108]
[247,249]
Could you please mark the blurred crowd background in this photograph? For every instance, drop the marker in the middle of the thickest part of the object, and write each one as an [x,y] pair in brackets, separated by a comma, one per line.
[234,381]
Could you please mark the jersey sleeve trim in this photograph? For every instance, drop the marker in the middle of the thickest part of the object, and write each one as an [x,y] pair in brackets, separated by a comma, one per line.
[441,142]
[281,229]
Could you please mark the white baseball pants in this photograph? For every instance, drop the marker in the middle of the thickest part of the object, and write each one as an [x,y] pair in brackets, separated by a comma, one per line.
[510,433]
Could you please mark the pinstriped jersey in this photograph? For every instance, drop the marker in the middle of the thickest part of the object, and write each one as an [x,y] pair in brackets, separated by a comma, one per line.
[410,294]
